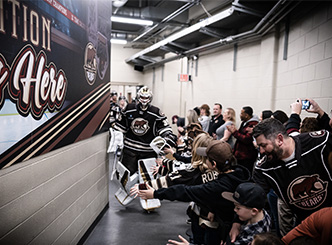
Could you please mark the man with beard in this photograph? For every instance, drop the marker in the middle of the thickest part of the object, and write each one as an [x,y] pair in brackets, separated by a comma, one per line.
[298,169]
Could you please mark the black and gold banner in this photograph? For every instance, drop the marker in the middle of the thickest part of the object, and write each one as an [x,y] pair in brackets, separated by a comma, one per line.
[54,75]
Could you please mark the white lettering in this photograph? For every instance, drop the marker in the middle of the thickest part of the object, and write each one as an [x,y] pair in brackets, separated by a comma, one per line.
[60,91]
[34,35]
[2,21]
[25,23]
[60,7]
[44,92]
[204,178]
[45,88]
[47,27]
[3,73]
[21,19]
[26,60]
[14,4]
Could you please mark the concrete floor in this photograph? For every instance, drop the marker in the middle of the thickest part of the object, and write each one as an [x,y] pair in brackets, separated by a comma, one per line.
[132,225]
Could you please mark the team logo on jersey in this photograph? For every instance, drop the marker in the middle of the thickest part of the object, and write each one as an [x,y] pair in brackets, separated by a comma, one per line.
[307,192]
[317,134]
[140,126]
[261,161]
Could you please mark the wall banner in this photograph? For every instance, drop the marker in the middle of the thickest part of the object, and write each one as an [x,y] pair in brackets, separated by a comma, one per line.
[54,75]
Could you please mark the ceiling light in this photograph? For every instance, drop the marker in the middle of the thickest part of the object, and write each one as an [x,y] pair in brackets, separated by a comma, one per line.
[118,41]
[132,21]
[208,21]
[119,3]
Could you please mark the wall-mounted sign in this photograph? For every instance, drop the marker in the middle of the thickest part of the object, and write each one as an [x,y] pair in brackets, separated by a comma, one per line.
[54,75]
[184,78]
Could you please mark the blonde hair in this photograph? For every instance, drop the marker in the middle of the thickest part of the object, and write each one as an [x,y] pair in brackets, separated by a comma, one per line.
[192,117]
[231,113]
[201,140]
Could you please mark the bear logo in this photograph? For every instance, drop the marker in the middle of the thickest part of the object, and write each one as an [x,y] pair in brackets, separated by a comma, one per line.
[140,126]
[307,192]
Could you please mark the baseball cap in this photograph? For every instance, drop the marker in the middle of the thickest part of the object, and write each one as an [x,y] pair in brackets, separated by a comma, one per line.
[217,150]
[247,194]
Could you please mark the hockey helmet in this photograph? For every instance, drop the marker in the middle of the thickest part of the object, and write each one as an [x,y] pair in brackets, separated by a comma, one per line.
[144,97]
[122,98]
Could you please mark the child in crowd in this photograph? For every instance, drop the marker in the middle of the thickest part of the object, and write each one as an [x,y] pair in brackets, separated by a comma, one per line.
[249,200]
[208,195]
[266,238]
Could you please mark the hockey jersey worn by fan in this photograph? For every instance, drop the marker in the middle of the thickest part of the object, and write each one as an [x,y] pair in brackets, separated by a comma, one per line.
[188,176]
[304,182]
[141,127]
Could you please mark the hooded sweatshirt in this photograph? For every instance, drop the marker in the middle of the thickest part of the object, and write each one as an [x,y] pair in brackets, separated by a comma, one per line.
[208,195]
[244,148]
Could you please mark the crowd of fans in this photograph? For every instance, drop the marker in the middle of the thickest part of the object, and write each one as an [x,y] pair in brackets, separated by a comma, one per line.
[266,182]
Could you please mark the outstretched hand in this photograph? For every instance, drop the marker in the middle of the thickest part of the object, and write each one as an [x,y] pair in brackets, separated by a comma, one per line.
[183,241]
[155,170]
[134,191]
[168,150]
[144,194]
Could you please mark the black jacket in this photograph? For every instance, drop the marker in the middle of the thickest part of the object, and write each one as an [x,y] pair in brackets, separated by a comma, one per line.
[304,182]
[208,195]
[215,123]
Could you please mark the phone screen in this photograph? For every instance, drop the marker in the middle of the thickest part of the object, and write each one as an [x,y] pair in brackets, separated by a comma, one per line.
[305,104]
[142,186]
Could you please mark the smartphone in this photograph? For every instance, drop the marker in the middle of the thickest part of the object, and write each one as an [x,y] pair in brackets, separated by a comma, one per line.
[142,186]
[305,104]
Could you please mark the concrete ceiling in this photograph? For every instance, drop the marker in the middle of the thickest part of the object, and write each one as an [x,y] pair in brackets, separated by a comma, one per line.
[188,27]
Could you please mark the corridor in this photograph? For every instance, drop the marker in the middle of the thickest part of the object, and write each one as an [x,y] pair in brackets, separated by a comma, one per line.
[132,225]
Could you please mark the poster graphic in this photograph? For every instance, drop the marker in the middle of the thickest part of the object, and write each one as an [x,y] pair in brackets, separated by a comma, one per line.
[54,75]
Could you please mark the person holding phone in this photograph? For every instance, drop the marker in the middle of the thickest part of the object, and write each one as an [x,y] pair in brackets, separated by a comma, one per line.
[311,106]
[324,120]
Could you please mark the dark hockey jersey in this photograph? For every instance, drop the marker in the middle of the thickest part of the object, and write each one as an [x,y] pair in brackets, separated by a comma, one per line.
[189,176]
[141,127]
[305,182]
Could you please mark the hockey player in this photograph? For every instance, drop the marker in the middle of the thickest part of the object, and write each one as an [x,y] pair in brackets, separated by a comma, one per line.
[140,123]
[114,107]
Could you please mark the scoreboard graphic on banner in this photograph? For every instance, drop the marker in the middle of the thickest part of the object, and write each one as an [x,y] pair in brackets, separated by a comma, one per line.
[54,75]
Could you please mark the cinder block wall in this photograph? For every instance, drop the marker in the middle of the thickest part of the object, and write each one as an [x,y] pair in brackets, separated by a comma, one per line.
[307,72]
[54,198]
[262,78]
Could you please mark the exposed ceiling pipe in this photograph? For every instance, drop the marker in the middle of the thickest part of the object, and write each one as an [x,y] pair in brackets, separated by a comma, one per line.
[230,39]
[224,14]
[279,19]
[168,18]
[259,25]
